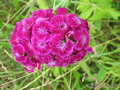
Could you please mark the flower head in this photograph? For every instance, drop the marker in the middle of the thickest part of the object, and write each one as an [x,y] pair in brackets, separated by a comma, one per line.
[58,39]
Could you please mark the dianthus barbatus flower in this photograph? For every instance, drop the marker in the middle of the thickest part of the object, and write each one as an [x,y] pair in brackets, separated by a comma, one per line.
[74,21]
[58,39]
[61,47]
[24,28]
[59,25]
[40,45]
[82,38]
[18,52]
[42,27]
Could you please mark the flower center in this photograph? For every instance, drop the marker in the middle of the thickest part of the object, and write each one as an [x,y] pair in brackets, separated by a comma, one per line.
[41,44]
[63,26]
[24,28]
[17,54]
[62,46]
[41,30]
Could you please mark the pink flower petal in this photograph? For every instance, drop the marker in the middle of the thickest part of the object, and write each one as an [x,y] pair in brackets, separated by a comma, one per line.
[30,66]
[39,13]
[15,40]
[90,50]
[62,11]
[82,38]
[59,25]
[18,50]
[74,21]
[41,46]
[60,47]
[21,59]
[41,28]
[24,29]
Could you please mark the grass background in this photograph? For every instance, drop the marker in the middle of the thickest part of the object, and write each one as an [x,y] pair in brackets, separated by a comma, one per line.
[98,71]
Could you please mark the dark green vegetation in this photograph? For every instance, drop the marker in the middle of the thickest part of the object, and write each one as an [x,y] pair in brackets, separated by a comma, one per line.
[98,71]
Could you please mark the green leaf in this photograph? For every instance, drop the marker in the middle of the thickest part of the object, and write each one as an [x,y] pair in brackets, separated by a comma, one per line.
[1,23]
[103,3]
[114,14]
[85,67]
[15,3]
[98,25]
[64,69]
[58,5]
[77,75]
[42,4]
[101,74]
[87,14]
[62,3]
[108,53]
[56,71]
[9,26]
[114,44]
[98,15]
[83,6]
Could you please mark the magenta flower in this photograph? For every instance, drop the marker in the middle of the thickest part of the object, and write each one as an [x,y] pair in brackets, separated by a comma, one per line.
[43,27]
[24,29]
[31,66]
[85,25]
[90,50]
[61,47]
[42,14]
[74,21]
[62,11]
[18,52]
[55,39]
[76,57]
[40,45]
[28,48]
[61,61]
[59,25]
[15,40]
[39,13]
[82,38]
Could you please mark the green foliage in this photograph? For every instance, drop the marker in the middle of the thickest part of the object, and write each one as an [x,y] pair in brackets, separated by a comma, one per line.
[15,3]
[101,74]
[85,67]
[97,9]
[42,4]
[1,23]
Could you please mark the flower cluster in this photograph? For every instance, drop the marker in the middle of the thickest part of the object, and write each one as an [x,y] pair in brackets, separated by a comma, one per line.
[58,39]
